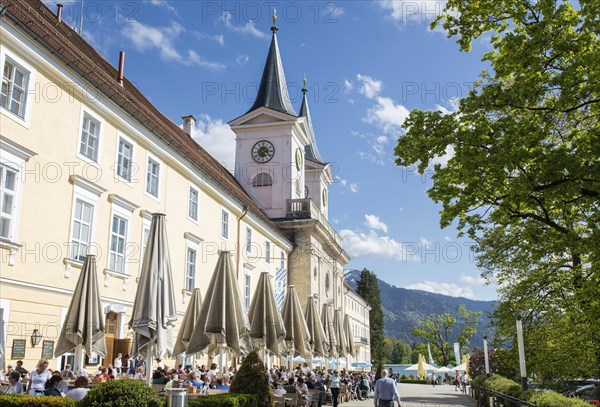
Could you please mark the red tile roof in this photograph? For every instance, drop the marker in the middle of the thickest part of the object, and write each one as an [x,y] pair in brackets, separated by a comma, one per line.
[67,44]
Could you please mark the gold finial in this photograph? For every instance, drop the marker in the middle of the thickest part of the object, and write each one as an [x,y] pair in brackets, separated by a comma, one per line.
[274,18]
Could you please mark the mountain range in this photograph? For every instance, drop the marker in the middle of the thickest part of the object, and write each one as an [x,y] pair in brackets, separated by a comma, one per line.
[404,308]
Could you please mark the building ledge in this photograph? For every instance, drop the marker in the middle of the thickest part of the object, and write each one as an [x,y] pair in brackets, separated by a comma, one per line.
[115,274]
[12,248]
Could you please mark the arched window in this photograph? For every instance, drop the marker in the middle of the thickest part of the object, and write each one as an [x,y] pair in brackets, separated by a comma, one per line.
[262,180]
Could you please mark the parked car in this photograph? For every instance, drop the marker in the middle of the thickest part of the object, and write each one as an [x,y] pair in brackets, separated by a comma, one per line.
[591,393]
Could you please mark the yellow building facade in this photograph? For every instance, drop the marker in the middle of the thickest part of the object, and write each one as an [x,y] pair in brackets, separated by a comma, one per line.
[85,160]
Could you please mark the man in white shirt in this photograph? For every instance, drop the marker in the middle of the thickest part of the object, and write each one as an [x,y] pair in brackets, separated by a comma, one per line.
[386,391]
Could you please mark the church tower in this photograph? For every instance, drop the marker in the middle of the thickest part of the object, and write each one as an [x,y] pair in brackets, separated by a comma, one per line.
[279,165]
[270,142]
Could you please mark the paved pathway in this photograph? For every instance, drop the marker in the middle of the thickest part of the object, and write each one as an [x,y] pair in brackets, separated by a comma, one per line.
[422,395]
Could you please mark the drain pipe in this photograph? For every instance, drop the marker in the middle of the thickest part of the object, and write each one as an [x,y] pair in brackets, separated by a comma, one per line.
[237,249]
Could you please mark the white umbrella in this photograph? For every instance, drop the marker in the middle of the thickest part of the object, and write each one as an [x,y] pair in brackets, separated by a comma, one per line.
[222,322]
[187,324]
[460,368]
[154,311]
[83,329]
[442,369]
[297,336]
[266,325]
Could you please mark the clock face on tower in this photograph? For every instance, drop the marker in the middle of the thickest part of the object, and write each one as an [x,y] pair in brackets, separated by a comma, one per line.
[263,151]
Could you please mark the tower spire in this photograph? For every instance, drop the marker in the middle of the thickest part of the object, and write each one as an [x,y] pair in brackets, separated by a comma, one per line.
[272,91]
[311,151]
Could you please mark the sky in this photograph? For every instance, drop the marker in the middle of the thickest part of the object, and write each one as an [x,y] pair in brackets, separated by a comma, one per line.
[368,63]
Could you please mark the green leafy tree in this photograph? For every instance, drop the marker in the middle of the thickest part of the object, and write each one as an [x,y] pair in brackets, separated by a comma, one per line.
[523,175]
[396,351]
[441,331]
[252,378]
[368,288]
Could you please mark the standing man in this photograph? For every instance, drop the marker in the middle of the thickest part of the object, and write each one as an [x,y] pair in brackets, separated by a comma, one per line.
[386,391]
[118,364]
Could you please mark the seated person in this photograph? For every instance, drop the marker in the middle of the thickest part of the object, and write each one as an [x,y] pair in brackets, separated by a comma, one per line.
[223,383]
[63,385]
[80,390]
[139,373]
[193,381]
[290,388]
[279,391]
[173,378]
[15,385]
[53,385]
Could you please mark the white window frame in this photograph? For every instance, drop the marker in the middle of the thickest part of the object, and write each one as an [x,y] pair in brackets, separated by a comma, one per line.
[29,92]
[77,241]
[192,243]
[224,223]
[186,275]
[10,163]
[152,157]
[268,251]
[146,222]
[247,287]
[114,253]
[85,111]
[134,165]
[248,239]
[123,209]
[197,191]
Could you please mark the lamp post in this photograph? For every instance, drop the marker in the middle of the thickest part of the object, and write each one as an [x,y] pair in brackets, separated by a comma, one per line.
[521,353]
[485,355]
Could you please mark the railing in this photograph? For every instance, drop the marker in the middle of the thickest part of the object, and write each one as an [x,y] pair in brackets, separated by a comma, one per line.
[306,209]
[364,340]
[487,397]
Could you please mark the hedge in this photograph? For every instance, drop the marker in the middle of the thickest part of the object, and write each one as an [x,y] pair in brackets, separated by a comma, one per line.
[24,400]
[552,399]
[224,400]
[122,393]
[541,399]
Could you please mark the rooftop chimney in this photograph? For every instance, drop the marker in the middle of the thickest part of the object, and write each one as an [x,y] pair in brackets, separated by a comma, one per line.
[121,67]
[189,122]
[59,12]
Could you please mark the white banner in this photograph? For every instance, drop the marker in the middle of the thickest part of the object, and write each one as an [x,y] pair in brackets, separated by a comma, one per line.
[457,353]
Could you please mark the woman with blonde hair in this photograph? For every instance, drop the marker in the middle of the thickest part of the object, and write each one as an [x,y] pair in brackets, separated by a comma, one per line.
[38,378]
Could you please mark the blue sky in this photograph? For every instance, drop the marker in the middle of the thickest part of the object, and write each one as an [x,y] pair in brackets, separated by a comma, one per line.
[368,63]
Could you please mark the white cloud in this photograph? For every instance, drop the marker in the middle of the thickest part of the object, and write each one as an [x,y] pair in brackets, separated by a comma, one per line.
[218,38]
[352,186]
[442,160]
[242,60]
[371,244]
[472,280]
[378,150]
[441,287]
[410,12]
[348,86]
[370,87]
[374,223]
[163,3]
[145,38]
[451,106]
[387,115]
[216,137]
[249,28]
